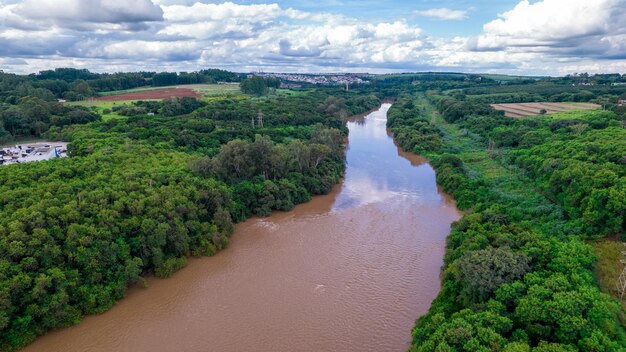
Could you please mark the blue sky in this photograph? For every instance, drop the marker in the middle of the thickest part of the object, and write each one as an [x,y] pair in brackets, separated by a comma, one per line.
[534,37]
[479,12]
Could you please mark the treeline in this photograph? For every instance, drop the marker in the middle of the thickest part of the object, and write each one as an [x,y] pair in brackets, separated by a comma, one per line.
[256,85]
[166,107]
[577,158]
[539,91]
[268,176]
[579,164]
[76,84]
[327,106]
[219,121]
[200,77]
[139,195]
[396,85]
[32,116]
[598,78]
[517,273]
[411,130]
[29,107]
[100,82]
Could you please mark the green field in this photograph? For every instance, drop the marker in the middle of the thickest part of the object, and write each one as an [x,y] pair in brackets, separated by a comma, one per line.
[608,267]
[100,106]
[212,90]
[134,90]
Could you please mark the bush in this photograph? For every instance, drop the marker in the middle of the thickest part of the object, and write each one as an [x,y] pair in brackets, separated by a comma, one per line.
[170,266]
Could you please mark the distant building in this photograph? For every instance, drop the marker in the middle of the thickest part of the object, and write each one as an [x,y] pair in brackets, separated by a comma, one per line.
[290,86]
[32,152]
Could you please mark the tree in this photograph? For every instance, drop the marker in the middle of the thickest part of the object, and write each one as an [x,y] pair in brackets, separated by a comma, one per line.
[260,153]
[481,272]
[254,85]
[233,162]
[164,79]
[81,88]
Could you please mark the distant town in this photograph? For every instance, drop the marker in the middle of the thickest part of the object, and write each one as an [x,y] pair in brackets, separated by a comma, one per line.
[296,80]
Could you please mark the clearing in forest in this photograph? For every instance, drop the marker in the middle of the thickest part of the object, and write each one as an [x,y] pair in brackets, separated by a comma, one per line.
[518,110]
[152,93]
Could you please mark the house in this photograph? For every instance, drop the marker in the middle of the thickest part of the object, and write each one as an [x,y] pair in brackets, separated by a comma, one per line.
[621,102]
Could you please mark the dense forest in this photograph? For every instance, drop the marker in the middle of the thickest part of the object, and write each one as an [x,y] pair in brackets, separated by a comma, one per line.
[142,193]
[518,268]
[29,104]
[168,179]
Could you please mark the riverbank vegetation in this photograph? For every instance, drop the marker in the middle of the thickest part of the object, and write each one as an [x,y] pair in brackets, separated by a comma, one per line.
[155,182]
[518,273]
[141,193]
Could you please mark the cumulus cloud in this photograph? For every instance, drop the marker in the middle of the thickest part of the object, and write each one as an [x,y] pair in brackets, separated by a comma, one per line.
[98,11]
[533,37]
[444,14]
[287,49]
[132,49]
[559,26]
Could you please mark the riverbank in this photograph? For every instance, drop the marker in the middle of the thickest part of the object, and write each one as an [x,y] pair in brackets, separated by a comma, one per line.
[346,271]
[141,195]
[508,262]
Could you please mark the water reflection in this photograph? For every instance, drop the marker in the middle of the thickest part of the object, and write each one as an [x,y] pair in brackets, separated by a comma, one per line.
[376,175]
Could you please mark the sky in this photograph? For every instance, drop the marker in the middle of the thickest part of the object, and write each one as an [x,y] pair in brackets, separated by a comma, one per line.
[525,37]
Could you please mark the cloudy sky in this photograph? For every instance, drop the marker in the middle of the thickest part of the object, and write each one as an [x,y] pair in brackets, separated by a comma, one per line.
[544,37]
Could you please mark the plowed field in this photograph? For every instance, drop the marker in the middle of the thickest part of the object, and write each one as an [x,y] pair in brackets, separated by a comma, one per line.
[153,94]
[534,109]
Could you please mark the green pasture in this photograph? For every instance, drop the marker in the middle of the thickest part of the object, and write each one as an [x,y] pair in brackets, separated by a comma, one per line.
[103,107]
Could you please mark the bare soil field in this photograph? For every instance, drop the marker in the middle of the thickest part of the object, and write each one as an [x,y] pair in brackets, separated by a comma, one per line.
[153,94]
[533,109]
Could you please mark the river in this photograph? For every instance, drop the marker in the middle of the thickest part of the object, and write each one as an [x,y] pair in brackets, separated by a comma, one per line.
[348,271]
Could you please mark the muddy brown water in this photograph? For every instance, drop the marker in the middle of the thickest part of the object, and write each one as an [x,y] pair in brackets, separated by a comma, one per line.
[349,271]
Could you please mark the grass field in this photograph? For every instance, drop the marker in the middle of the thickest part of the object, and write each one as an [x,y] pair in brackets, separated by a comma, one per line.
[519,110]
[100,106]
[608,267]
[211,90]
[135,90]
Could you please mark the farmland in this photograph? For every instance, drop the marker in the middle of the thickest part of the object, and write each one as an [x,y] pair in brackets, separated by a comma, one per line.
[151,93]
[103,107]
[105,103]
[519,110]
